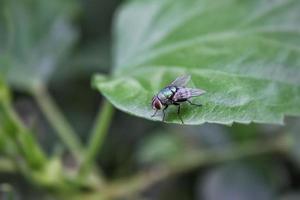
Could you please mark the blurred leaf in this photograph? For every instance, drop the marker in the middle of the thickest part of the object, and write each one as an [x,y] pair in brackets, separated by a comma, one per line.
[160,147]
[235,182]
[245,54]
[34,35]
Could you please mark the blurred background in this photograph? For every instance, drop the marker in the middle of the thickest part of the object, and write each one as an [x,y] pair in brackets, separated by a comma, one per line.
[207,162]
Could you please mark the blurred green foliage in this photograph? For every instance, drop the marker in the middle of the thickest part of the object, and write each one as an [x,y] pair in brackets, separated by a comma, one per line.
[160,147]
[35,36]
[244,53]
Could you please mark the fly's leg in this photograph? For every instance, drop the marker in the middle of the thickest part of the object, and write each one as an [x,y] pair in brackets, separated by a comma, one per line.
[164,114]
[178,113]
[194,104]
[154,113]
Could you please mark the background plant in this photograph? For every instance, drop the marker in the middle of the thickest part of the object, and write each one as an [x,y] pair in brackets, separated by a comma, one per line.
[244,53]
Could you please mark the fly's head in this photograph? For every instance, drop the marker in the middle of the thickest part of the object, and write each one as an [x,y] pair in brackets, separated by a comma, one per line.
[156,103]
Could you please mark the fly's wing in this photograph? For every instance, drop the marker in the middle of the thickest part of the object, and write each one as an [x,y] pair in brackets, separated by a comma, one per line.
[181,81]
[186,93]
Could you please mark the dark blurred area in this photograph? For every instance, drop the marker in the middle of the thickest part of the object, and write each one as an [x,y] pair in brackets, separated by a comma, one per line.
[240,172]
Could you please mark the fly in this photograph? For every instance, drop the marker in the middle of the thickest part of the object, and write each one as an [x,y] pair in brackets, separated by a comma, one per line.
[175,94]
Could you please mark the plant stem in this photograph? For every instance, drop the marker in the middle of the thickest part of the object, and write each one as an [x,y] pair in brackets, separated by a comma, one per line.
[98,134]
[57,120]
[23,139]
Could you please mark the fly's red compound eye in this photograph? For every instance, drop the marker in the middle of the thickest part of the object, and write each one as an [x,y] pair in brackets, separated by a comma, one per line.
[156,104]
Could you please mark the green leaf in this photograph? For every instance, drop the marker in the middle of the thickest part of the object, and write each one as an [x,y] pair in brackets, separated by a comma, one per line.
[34,35]
[245,54]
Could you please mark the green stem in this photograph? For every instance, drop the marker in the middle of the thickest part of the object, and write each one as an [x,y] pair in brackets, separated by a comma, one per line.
[23,139]
[57,120]
[99,132]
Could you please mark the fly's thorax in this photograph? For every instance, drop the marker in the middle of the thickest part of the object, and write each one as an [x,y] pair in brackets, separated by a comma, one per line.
[167,93]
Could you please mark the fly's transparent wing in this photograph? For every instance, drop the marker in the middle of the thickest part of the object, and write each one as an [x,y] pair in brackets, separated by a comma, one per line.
[181,81]
[186,93]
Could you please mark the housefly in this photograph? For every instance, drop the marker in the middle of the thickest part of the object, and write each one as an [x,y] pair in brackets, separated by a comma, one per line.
[175,94]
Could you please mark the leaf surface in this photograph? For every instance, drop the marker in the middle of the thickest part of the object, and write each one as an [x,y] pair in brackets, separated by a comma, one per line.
[35,35]
[245,54]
